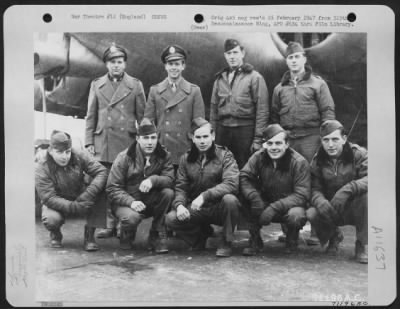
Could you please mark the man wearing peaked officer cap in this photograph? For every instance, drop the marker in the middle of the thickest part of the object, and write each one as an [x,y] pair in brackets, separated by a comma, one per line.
[60,185]
[284,188]
[239,108]
[140,186]
[114,51]
[173,52]
[209,196]
[116,102]
[174,103]
[339,173]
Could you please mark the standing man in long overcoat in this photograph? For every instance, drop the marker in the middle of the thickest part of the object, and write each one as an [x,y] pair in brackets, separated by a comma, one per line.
[116,102]
[174,103]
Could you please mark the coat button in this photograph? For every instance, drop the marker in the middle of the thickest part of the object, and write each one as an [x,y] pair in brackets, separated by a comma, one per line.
[167,123]
[122,129]
[109,118]
[122,117]
[166,134]
[178,134]
[122,106]
[180,110]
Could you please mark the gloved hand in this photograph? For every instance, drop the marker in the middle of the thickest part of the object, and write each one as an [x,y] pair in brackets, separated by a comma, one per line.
[81,208]
[340,199]
[257,208]
[327,212]
[267,215]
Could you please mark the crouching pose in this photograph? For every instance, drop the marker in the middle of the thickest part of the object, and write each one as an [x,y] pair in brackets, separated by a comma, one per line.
[59,180]
[139,186]
[339,190]
[276,183]
[207,179]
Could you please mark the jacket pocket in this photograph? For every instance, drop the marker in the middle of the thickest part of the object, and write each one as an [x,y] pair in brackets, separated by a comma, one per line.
[245,107]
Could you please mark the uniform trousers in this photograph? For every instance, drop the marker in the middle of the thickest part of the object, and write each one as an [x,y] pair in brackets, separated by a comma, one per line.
[238,140]
[225,214]
[157,203]
[355,212]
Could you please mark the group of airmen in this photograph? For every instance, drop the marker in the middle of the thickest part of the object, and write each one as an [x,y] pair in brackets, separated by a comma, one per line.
[287,161]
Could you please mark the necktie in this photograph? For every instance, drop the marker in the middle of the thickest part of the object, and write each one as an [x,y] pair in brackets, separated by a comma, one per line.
[147,162]
[173,87]
[232,76]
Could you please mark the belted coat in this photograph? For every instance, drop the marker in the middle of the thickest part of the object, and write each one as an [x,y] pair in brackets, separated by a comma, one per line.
[173,112]
[112,115]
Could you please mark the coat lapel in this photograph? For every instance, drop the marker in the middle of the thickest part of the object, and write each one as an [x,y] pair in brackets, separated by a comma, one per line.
[183,90]
[106,89]
[123,90]
[165,91]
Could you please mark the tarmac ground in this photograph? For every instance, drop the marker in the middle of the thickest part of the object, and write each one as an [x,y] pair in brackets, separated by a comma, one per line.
[183,277]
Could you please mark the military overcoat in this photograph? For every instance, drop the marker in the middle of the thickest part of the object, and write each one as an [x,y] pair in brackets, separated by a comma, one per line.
[112,115]
[173,112]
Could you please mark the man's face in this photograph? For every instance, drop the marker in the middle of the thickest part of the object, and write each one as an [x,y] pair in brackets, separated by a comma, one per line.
[116,66]
[296,62]
[234,57]
[61,157]
[174,68]
[203,138]
[333,143]
[276,146]
[148,143]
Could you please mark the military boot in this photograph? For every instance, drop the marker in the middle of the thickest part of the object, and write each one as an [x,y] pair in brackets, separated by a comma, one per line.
[106,233]
[334,241]
[256,244]
[161,245]
[157,241]
[292,238]
[89,243]
[56,238]
[361,253]
[126,239]
[201,242]
[224,248]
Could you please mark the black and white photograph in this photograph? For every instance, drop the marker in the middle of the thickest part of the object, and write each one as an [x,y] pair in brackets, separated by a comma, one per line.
[203,167]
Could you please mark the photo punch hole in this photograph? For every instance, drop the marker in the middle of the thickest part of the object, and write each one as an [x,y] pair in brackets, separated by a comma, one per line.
[47,18]
[351,17]
[198,18]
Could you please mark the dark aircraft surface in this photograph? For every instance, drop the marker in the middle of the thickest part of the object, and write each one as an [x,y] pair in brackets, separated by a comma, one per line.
[65,64]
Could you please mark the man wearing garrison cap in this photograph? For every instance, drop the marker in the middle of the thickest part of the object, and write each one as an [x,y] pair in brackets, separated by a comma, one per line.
[173,103]
[140,186]
[300,103]
[276,183]
[239,108]
[116,102]
[59,182]
[207,181]
[339,173]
